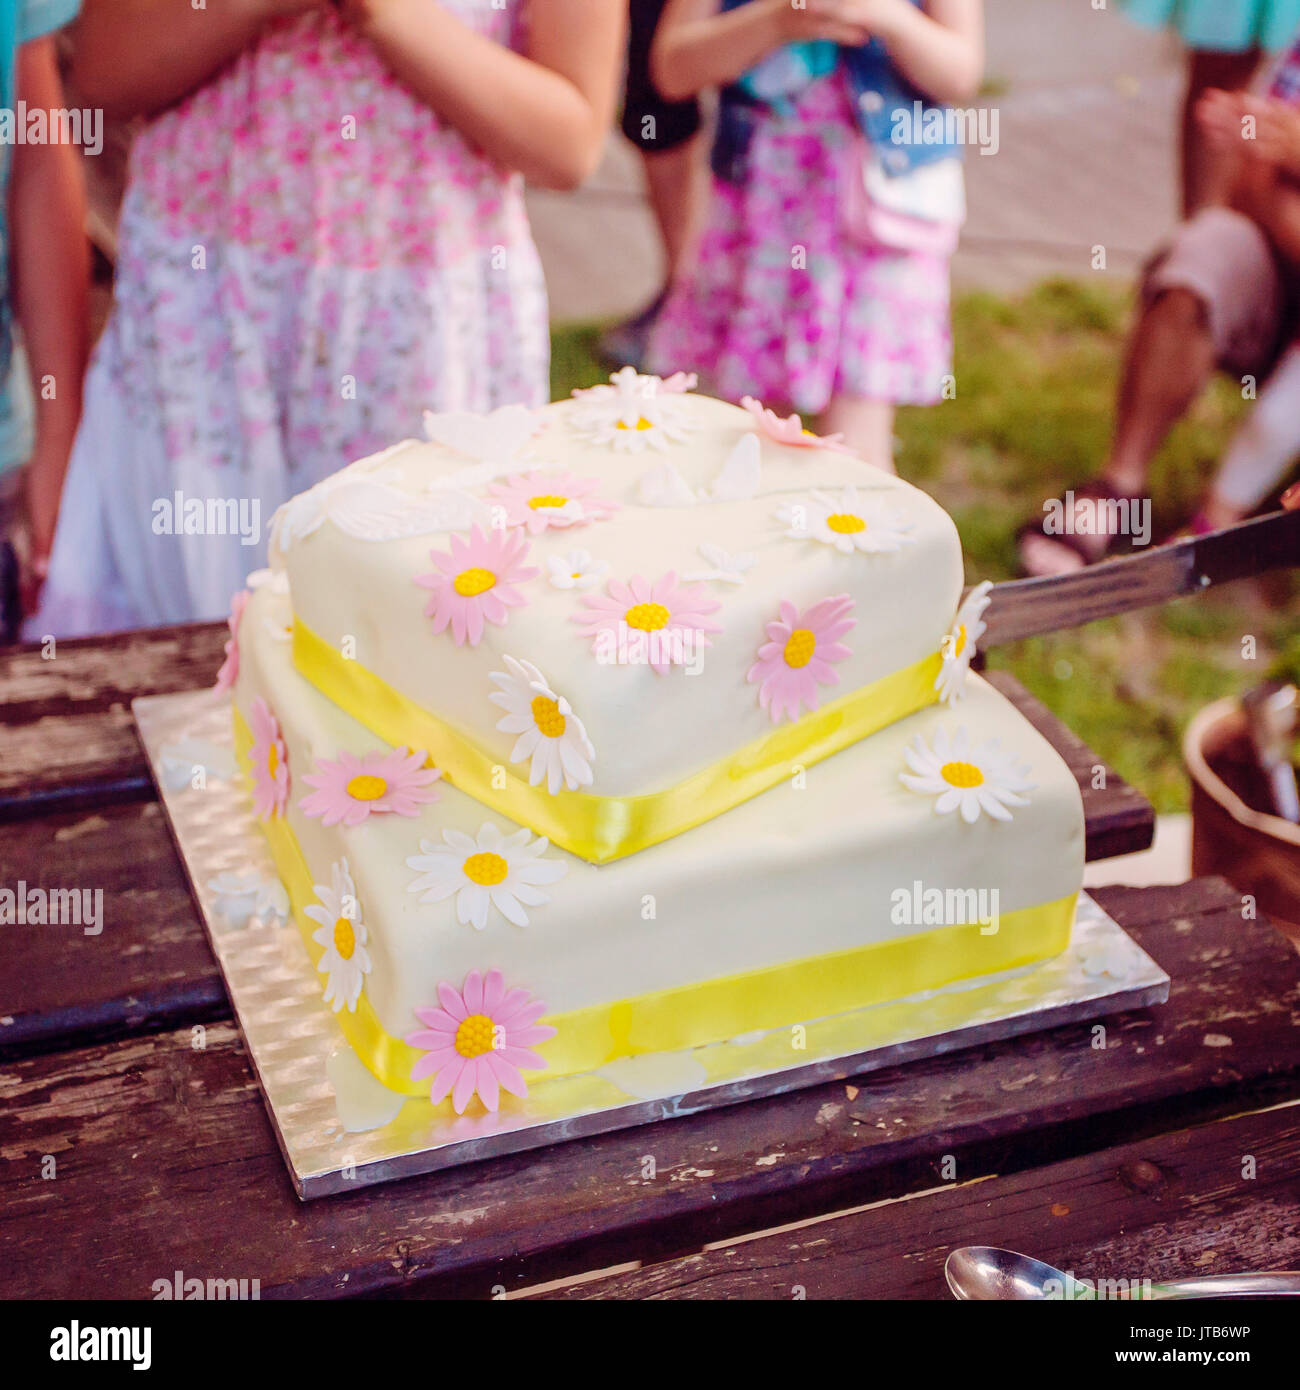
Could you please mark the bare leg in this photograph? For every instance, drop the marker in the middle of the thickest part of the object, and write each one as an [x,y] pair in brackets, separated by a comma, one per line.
[867,426]
[1169,362]
[1205,176]
[674,180]
[1262,449]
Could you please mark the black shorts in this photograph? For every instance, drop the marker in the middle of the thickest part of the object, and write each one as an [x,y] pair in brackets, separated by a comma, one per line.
[651,123]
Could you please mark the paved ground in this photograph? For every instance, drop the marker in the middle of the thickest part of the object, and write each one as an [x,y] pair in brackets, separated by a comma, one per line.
[1087,107]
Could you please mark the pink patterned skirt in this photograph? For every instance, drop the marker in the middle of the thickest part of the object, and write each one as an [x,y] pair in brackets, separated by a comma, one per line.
[785,301]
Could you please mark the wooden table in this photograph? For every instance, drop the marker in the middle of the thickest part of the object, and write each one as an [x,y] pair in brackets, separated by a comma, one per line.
[135,1142]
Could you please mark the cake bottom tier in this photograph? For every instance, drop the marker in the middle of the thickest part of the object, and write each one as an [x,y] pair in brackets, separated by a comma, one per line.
[840,888]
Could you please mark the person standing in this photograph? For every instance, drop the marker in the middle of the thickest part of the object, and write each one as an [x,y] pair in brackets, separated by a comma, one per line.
[44,280]
[1226,42]
[323,235]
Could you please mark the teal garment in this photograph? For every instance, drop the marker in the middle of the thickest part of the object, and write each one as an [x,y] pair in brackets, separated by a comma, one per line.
[1222,26]
[20,20]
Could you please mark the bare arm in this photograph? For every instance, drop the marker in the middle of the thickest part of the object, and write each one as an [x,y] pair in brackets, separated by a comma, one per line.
[50,275]
[545,113]
[136,57]
[940,48]
[696,47]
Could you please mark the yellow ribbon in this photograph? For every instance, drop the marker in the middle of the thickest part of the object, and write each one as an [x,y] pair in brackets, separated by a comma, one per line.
[670,1020]
[602,828]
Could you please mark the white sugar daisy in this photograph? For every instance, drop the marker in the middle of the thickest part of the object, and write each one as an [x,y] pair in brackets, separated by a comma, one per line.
[576,570]
[847,522]
[966,779]
[342,933]
[633,412]
[551,737]
[960,644]
[485,871]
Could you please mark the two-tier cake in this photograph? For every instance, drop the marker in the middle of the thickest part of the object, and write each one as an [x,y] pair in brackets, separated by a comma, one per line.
[630,724]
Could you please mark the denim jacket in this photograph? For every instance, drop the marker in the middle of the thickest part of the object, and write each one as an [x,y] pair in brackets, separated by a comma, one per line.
[885,104]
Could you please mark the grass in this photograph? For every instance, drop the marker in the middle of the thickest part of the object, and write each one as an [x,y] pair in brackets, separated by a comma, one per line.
[1036,378]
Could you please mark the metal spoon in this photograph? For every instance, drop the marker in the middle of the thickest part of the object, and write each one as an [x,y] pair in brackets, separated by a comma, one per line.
[983,1272]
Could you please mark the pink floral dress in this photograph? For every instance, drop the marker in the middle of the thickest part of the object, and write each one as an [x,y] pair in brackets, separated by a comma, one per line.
[309,258]
[785,300]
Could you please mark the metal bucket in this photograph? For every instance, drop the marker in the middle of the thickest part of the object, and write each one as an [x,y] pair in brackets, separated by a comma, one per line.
[1257,853]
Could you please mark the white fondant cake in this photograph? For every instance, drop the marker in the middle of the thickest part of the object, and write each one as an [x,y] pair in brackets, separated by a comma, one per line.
[601,847]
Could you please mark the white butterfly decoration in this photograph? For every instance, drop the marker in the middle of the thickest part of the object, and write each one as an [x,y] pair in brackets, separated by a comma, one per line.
[179,762]
[276,580]
[725,568]
[664,486]
[241,896]
[371,509]
[494,441]
[737,480]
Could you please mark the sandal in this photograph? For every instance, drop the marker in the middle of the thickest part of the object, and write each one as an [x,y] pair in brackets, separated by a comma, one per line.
[1057,526]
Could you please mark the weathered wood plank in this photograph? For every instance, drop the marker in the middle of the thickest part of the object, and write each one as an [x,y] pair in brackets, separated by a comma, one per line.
[147,966]
[1119,819]
[1167,1206]
[67,738]
[179,1138]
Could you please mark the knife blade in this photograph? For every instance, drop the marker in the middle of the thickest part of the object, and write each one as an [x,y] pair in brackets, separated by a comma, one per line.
[1027,607]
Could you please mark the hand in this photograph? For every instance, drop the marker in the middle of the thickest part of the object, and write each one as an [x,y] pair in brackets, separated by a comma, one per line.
[32,570]
[268,10]
[1277,135]
[820,19]
[1219,118]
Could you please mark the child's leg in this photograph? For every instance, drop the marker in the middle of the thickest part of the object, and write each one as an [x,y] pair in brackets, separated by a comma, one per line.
[1262,448]
[867,426]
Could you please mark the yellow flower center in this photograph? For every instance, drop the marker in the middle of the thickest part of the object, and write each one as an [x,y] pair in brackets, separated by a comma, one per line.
[272,759]
[547,499]
[486,869]
[799,649]
[845,523]
[963,775]
[475,1036]
[960,645]
[471,583]
[547,716]
[641,424]
[345,939]
[647,616]
[364,787]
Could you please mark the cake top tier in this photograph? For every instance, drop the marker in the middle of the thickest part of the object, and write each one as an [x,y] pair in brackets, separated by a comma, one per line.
[618,615]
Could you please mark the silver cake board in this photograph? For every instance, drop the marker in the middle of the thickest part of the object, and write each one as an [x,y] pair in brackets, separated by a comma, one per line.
[339,1129]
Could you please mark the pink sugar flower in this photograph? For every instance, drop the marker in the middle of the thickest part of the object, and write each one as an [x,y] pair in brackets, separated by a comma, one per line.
[476,582]
[791,430]
[540,500]
[668,618]
[797,656]
[479,1041]
[270,761]
[352,789]
[229,672]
